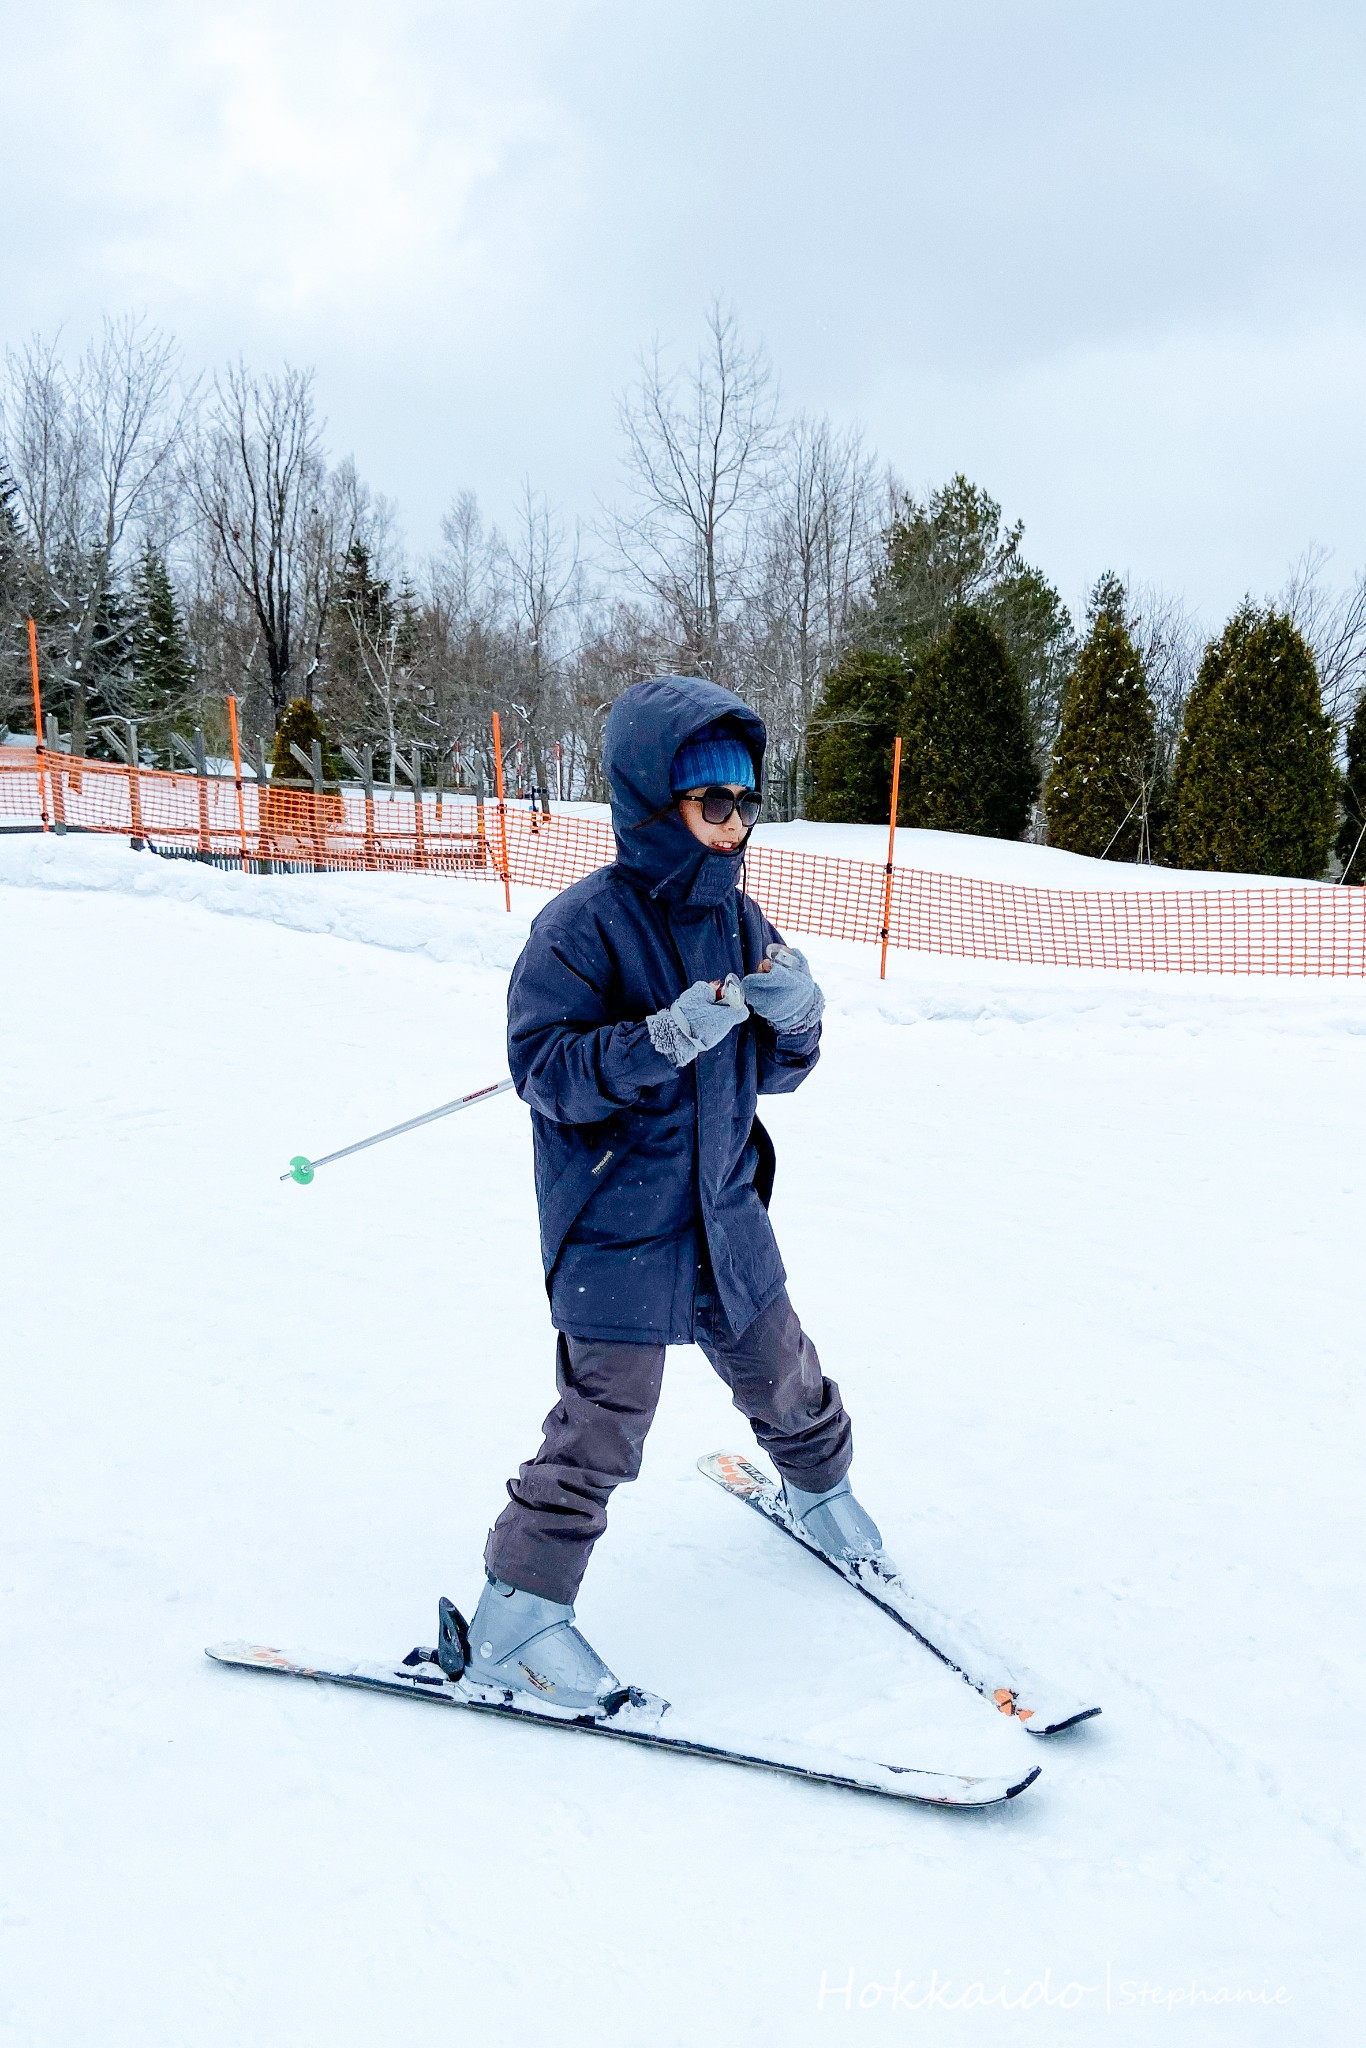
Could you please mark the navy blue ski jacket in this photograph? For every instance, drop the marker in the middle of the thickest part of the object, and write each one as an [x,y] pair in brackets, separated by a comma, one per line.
[645,1174]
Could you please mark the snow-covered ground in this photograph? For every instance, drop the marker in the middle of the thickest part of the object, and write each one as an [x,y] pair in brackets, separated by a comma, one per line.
[1084,1253]
[993,860]
[997,860]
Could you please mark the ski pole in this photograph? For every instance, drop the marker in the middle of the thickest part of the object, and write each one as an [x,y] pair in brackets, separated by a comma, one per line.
[302,1170]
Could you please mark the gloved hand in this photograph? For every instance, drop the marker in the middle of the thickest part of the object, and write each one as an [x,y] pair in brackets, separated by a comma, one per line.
[697,1020]
[783,993]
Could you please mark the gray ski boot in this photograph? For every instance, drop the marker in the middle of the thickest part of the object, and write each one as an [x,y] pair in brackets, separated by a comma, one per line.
[519,1640]
[834,1522]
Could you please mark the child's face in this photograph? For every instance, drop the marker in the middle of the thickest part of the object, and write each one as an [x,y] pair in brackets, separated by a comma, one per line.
[719,838]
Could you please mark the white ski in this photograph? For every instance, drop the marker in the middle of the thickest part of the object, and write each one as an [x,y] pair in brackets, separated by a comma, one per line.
[1010,1688]
[638,1717]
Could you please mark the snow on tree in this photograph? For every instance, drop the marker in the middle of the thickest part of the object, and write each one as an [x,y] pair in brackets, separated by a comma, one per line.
[1098,797]
[160,671]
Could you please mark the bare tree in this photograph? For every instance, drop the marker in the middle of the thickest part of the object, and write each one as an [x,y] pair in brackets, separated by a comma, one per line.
[1169,639]
[696,451]
[616,643]
[1334,624]
[370,649]
[466,657]
[541,564]
[18,603]
[259,482]
[90,451]
[819,539]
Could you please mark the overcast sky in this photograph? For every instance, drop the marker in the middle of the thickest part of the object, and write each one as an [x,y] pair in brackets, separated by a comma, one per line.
[1105,258]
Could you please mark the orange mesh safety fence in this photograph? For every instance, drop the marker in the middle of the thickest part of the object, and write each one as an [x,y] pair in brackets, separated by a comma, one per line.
[1306,930]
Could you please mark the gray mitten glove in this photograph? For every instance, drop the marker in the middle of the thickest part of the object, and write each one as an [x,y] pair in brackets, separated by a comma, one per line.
[697,1020]
[785,996]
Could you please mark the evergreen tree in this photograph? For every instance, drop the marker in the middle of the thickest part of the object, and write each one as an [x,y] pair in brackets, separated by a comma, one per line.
[161,674]
[84,695]
[301,724]
[968,763]
[1099,790]
[369,650]
[849,739]
[953,551]
[1254,790]
[1351,841]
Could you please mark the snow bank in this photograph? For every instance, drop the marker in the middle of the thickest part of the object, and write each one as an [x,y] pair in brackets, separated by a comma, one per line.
[990,860]
[461,920]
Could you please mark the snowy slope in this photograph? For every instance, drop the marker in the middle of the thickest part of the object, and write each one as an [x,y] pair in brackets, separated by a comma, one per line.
[1082,1251]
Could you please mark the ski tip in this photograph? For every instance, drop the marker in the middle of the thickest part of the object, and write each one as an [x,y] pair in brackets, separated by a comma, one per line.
[251,1656]
[732,1471]
[1025,1783]
[1055,1727]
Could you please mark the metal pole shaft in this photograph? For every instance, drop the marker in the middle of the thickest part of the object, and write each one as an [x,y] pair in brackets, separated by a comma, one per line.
[397,1130]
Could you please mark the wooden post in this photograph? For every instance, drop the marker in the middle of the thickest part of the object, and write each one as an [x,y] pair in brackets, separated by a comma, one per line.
[312,765]
[134,789]
[259,759]
[368,777]
[891,853]
[418,818]
[38,720]
[502,811]
[54,760]
[201,769]
[237,776]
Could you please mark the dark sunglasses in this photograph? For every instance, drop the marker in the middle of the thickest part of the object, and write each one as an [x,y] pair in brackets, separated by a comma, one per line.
[718,802]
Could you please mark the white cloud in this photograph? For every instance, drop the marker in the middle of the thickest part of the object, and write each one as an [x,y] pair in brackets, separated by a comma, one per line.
[296,164]
[1101,259]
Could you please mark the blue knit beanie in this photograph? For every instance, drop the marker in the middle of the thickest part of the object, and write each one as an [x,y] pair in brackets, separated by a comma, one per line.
[714,754]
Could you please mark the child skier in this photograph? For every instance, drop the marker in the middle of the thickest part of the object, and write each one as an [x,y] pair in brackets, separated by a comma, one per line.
[651,1006]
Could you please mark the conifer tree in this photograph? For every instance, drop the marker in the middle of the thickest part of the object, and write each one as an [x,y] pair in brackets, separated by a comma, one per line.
[968,764]
[955,551]
[1351,841]
[100,690]
[161,672]
[301,724]
[1099,790]
[1254,789]
[849,739]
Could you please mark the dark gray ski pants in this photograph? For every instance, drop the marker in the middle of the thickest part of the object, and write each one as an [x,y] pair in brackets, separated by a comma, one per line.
[595,1433]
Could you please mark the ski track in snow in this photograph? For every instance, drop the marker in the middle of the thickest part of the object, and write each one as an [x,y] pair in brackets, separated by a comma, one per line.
[1083,1251]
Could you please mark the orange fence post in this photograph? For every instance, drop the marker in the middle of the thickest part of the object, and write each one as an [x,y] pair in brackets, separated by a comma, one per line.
[38,720]
[502,809]
[891,854]
[237,773]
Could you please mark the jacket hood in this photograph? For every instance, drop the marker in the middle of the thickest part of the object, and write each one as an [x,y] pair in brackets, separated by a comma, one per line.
[645,728]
